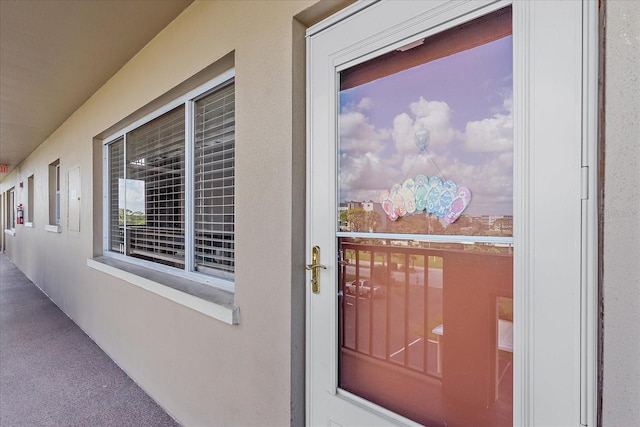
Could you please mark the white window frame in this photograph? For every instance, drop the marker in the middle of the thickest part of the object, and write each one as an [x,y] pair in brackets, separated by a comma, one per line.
[11,209]
[220,280]
[30,210]
[58,195]
[54,195]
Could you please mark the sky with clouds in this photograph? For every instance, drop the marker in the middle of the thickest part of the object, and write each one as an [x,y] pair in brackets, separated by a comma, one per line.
[464,102]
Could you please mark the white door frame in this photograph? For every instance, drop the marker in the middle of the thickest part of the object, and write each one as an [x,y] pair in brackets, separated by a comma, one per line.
[555,110]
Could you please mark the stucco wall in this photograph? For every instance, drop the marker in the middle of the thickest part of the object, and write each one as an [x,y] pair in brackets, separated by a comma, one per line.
[621,263]
[203,371]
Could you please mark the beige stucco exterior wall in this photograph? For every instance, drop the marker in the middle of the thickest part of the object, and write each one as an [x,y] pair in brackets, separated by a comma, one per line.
[202,371]
[621,261]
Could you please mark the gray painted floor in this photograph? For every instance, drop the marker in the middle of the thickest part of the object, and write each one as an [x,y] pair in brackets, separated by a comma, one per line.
[53,374]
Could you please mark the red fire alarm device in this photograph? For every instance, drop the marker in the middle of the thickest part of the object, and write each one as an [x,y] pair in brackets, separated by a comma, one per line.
[20,214]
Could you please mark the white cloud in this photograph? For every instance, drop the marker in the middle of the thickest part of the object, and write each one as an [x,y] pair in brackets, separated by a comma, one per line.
[358,135]
[414,164]
[494,134]
[434,116]
[365,104]
[491,134]
[403,134]
[436,111]
[490,181]
[362,177]
[507,104]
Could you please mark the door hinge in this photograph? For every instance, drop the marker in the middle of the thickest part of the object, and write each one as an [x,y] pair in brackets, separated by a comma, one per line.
[584,184]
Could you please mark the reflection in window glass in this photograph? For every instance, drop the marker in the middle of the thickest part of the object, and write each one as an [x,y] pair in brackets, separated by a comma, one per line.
[423,332]
[58,195]
[155,179]
[30,199]
[54,193]
[11,205]
[425,153]
[131,202]
[426,136]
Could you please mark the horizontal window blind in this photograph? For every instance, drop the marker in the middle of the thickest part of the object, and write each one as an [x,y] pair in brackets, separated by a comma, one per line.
[172,210]
[214,181]
[30,198]
[116,208]
[155,188]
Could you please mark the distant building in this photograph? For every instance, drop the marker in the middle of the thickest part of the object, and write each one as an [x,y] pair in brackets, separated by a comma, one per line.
[368,206]
[495,222]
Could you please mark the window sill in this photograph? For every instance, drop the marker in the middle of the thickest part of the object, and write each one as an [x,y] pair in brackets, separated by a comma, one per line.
[52,228]
[10,231]
[205,299]
[28,225]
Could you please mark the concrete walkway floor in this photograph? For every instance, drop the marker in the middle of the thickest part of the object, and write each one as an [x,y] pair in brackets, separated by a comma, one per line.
[53,374]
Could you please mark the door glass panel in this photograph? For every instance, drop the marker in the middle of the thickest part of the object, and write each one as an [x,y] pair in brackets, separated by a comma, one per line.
[425,195]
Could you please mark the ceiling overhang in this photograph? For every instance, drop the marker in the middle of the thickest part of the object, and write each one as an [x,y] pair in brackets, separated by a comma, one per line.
[55,54]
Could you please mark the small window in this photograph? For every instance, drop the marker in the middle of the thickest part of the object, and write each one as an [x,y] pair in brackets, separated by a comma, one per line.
[170,186]
[54,193]
[11,209]
[30,198]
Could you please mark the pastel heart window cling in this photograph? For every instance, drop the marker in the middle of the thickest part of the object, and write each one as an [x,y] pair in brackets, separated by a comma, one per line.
[432,195]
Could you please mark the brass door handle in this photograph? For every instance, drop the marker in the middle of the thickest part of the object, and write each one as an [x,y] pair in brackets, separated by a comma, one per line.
[315,267]
[312,266]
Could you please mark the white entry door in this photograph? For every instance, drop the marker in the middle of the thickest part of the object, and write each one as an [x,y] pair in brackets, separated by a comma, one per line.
[449,215]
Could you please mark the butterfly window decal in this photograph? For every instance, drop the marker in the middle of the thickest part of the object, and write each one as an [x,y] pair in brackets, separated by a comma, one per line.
[433,195]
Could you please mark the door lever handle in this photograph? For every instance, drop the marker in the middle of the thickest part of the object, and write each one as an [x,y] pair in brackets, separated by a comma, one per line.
[315,267]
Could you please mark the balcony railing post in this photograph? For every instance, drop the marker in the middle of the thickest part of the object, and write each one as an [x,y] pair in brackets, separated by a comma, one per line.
[407,309]
[425,313]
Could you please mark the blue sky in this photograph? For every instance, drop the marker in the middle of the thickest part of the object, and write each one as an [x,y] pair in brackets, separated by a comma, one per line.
[463,100]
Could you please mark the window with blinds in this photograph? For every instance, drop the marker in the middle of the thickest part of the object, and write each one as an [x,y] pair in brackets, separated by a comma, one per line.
[165,207]
[154,190]
[11,209]
[214,162]
[30,198]
[116,208]
[54,193]
[58,196]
